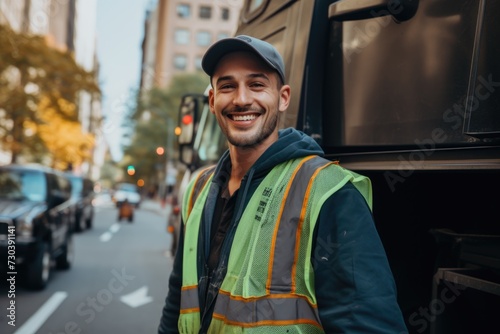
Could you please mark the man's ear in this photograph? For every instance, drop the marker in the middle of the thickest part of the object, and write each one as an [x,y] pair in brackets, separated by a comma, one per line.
[285,93]
[211,100]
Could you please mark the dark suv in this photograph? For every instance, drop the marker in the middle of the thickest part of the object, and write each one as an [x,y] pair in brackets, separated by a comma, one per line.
[35,206]
[82,195]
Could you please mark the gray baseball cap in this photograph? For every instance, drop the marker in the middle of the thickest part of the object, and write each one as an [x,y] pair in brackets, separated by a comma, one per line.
[263,49]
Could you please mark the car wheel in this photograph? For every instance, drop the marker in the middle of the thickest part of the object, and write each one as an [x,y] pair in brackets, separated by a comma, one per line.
[65,259]
[88,221]
[38,271]
[79,223]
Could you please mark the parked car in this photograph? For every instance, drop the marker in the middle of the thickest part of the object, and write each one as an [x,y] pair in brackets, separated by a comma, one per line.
[82,196]
[128,191]
[35,203]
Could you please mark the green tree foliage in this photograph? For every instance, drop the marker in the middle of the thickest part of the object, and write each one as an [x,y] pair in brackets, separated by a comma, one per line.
[155,118]
[30,71]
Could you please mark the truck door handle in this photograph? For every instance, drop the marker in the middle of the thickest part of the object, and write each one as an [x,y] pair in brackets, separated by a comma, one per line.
[349,10]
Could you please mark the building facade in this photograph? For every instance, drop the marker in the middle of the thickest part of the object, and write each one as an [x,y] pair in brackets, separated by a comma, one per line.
[177,34]
[67,25]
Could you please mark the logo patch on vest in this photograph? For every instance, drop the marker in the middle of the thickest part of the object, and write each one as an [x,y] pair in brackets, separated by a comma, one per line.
[266,195]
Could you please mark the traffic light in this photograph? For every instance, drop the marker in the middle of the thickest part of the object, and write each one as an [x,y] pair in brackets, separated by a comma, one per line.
[187,113]
[130,170]
[187,119]
[177,130]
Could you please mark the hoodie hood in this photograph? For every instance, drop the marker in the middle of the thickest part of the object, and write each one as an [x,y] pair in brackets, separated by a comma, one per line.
[291,144]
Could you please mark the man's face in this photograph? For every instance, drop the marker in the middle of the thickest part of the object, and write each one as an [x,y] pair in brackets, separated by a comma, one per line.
[247,100]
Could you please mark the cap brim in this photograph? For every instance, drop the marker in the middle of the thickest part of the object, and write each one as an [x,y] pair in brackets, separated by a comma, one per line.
[223,47]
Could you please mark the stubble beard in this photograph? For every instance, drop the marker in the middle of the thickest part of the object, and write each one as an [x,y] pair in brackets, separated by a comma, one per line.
[256,139]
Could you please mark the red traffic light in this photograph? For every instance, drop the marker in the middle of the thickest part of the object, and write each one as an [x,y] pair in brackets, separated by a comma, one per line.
[187,119]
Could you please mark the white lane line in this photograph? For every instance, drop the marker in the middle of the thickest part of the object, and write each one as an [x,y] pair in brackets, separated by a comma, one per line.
[106,236]
[43,313]
[114,228]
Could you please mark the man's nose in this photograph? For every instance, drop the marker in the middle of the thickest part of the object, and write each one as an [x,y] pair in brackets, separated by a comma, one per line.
[242,97]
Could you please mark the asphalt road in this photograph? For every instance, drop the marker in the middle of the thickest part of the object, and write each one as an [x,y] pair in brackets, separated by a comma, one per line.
[117,284]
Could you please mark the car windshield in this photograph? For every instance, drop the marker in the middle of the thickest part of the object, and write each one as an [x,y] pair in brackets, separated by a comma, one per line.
[76,185]
[127,187]
[18,185]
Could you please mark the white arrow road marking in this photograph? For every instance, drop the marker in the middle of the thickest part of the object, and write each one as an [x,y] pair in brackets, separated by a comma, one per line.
[106,236]
[137,298]
[43,313]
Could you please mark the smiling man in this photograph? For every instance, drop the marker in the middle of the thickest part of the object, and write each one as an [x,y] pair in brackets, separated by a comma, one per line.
[275,238]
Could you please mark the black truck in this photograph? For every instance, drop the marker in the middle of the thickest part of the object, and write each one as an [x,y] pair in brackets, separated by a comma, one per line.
[406,92]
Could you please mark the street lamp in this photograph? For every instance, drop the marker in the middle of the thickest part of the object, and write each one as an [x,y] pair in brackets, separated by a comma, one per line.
[160,150]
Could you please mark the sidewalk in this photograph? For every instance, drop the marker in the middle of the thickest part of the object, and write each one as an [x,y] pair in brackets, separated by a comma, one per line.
[155,205]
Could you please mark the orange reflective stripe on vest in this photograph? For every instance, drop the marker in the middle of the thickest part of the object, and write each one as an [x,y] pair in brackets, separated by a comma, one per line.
[199,184]
[282,264]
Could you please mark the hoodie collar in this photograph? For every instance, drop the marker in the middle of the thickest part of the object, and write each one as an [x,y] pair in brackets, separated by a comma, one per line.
[291,144]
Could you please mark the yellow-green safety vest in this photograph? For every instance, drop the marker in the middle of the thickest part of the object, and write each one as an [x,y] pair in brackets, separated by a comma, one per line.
[269,284]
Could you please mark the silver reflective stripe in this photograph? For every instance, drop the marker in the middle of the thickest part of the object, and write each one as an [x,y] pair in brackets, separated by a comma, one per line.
[283,260]
[267,310]
[189,299]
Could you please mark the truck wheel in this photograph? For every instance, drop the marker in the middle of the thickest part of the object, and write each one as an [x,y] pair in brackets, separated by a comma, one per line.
[65,260]
[38,271]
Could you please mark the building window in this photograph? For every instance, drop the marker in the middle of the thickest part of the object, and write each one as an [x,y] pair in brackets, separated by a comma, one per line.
[253,9]
[224,15]
[254,4]
[183,10]
[180,62]
[205,12]
[203,38]
[222,35]
[181,36]
[197,62]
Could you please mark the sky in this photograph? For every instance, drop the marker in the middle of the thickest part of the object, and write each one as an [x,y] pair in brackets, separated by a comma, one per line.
[120,31]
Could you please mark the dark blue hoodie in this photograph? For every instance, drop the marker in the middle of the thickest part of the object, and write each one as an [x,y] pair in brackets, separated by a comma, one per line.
[354,285]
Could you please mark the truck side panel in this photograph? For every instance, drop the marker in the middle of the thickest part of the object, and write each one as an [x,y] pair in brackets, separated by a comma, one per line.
[414,104]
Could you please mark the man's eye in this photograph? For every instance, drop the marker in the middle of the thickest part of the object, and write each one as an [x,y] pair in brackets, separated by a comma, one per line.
[256,84]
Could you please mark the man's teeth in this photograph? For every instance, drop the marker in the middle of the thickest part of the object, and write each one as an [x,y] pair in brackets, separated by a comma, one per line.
[244,117]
